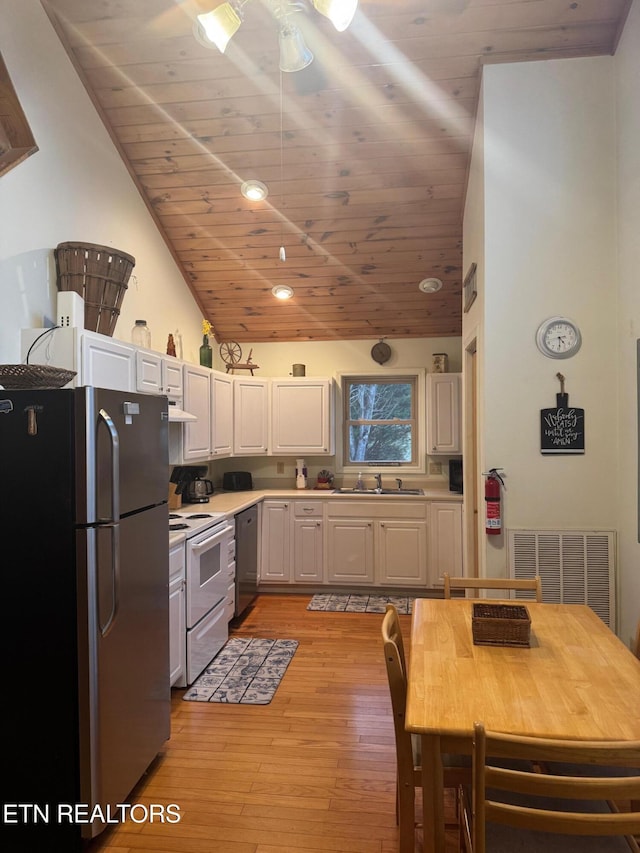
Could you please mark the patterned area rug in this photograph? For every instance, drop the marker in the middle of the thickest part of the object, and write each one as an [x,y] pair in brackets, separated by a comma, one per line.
[244,672]
[360,603]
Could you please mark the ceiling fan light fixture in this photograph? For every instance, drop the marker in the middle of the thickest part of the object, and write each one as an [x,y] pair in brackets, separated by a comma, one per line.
[294,53]
[430,285]
[282,291]
[220,25]
[254,190]
[339,12]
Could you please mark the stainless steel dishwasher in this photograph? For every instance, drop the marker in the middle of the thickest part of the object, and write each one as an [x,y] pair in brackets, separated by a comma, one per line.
[246,558]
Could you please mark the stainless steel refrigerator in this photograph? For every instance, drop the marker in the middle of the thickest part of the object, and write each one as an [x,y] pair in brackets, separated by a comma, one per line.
[83,509]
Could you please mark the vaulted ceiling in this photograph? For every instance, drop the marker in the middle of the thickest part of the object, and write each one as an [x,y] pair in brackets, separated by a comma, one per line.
[365,152]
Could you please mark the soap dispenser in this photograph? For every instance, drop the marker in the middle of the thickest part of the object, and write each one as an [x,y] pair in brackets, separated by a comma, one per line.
[301,474]
[359,483]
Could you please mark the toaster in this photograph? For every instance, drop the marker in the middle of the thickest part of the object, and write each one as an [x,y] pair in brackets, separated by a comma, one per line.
[237,481]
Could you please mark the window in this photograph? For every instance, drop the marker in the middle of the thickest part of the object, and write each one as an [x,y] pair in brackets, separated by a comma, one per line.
[381,424]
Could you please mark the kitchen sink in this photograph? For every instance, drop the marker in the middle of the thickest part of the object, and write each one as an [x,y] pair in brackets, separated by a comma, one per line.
[378,492]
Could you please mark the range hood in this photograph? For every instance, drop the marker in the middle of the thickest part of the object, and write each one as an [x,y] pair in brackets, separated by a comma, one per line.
[178,415]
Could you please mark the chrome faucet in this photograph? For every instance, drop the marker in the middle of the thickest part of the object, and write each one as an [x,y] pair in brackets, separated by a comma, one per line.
[399,482]
[378,479]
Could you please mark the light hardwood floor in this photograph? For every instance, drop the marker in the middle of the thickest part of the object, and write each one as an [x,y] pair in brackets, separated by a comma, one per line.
[312,771]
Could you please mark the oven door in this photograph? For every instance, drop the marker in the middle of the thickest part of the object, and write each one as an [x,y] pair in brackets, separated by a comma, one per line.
[207,563]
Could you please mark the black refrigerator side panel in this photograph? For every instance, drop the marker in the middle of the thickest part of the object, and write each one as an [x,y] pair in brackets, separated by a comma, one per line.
[40,750]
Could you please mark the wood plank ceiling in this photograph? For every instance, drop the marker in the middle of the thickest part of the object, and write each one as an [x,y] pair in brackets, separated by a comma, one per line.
[365,152]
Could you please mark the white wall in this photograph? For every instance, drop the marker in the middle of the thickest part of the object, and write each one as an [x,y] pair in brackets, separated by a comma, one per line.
[74,188]
[627,80]
[548,240]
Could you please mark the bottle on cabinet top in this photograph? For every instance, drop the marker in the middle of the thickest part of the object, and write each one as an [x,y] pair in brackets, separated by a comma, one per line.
[140,334]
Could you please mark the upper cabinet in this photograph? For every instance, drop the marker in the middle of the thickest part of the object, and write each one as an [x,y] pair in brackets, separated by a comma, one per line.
[159,374]
[250,416]
[443,413]
[222,424]
[302,416]
[197,401]
[97,359]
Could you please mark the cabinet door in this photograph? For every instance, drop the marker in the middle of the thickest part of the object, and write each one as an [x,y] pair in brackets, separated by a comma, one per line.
[107,363]
[307,550]
[301,416]
[250,417]
[350,551]
[275,557]
[148,372]
[172,380]
[443,413]
[197,400]
[222,430]
[401,552]
[445,540]
[177,621]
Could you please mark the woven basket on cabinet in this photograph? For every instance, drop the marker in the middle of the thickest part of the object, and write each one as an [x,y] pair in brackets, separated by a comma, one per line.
[100,275]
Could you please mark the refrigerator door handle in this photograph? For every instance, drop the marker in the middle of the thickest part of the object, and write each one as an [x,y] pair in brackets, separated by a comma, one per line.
[113,522]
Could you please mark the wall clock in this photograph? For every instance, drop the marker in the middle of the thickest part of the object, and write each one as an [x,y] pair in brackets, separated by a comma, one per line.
[381,352]
[558,337]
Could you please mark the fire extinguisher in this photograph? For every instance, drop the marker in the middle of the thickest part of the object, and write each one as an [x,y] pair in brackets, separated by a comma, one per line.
[493,519]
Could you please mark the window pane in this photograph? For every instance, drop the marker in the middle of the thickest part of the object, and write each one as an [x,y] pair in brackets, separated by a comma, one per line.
[380,443]
[380,401]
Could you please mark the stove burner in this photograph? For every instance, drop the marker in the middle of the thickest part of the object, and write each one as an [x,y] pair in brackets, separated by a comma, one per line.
[178,526]
[201,515]
[173,515]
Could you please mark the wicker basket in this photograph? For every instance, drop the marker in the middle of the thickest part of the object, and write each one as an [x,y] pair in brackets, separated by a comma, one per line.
[100,275]
[33,376]
[501,625]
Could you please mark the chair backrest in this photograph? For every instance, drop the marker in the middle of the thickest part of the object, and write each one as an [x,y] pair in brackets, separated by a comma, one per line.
[533,585]
[555,814]
[397,677]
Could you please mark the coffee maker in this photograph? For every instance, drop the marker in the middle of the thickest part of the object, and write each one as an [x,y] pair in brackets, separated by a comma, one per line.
[192,485]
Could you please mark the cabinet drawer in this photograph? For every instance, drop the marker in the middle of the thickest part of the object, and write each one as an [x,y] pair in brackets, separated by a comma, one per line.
[176,563]
[377,508]
[307,509]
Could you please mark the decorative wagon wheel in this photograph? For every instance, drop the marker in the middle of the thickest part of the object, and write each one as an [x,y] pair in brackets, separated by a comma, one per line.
[230,352]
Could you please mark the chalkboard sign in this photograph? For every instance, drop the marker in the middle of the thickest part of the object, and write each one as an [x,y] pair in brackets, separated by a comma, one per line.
[562,428]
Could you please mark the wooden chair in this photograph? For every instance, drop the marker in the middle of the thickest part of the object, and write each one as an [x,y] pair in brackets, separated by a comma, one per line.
[407,746]
[533,585]
[528,810]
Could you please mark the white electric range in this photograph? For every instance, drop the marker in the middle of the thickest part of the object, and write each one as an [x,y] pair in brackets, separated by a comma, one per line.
[209,581]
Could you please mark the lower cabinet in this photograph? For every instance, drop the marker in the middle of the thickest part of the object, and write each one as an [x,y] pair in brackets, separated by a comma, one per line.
[367,543]
[307,552]
[445,541]
[275,557]
[177,626]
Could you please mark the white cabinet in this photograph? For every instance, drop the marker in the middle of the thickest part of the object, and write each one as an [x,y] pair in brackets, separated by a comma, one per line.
[350,551]
[443,413]
[177,626]
[222,424]
[97,359]
[275,542]
[401,552]
[377,542]
[250,416]
[197,400]
[445,540]
[159,374]
[302,416]
[307,535]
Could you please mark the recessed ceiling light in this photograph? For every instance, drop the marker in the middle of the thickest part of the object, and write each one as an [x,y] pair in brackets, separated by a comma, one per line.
[282,291]
[430,285]
[254,190]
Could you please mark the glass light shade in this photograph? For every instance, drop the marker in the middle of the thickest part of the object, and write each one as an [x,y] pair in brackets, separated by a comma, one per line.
[294,54]
[254,190]
[282,291]
[430,285]
[220,25]
[339,12]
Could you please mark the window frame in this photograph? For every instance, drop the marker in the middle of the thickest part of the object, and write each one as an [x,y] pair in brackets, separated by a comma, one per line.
[416,375]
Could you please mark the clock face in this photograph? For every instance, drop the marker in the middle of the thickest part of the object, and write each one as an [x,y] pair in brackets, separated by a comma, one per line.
[558,337]
[381,352]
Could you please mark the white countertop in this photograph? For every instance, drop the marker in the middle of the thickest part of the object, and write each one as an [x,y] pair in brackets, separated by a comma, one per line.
[233,502]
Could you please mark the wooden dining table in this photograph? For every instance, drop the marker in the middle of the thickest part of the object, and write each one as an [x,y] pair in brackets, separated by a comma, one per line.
[576,679]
